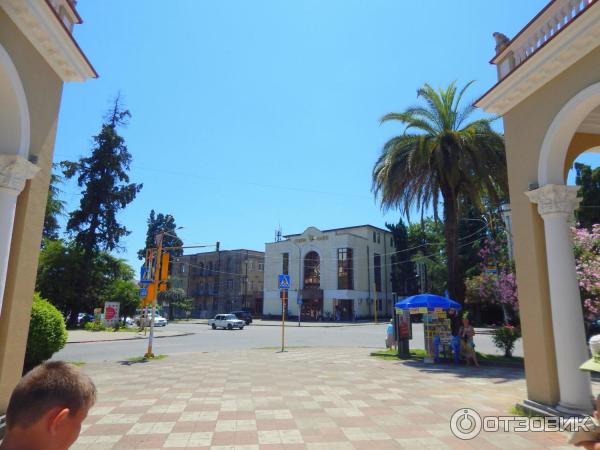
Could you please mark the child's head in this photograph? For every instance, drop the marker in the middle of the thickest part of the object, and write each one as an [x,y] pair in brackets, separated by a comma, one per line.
[49,404]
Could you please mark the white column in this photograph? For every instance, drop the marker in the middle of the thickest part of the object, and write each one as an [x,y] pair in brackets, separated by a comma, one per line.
[556,204]
[14,172]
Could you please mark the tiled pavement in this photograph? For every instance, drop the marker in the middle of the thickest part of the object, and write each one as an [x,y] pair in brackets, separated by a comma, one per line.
[302,399]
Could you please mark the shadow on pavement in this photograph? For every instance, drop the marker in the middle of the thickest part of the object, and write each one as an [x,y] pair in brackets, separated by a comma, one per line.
[502,374]
[131,363]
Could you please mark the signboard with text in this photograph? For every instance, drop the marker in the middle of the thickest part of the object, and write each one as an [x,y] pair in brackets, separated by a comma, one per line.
[111,313]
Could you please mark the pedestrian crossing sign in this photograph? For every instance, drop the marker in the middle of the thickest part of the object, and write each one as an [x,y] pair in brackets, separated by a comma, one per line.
[284,281]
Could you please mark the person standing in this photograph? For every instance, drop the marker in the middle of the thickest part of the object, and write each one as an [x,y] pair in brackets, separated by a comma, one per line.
[455,326]
[467,333]
[390,342]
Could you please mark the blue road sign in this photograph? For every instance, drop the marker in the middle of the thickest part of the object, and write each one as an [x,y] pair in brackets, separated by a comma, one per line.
[143,292]
[284,281]
[299,301]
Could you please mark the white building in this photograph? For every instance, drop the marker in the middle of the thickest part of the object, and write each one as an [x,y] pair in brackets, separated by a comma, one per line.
[344,272]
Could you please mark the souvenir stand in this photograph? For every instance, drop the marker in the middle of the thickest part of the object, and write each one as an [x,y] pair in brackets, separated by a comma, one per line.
[436,324]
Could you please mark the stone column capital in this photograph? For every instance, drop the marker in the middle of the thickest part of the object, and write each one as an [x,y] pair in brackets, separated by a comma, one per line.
[555,200]
[14,172]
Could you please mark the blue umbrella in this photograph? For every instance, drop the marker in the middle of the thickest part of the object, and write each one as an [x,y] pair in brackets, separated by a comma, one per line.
[429,301]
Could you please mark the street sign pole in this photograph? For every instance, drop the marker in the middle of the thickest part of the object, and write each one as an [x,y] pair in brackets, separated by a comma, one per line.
[157,263]
[283,306]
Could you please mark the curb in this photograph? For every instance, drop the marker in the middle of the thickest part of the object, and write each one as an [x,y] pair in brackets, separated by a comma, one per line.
[292,323]
[134,338]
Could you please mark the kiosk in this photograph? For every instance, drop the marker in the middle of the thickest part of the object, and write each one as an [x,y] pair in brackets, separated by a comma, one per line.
[436,324]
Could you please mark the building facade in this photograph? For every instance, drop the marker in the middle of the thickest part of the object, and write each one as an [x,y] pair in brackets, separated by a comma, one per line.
[344,273]
[38,54]
[221,281]
[548,93]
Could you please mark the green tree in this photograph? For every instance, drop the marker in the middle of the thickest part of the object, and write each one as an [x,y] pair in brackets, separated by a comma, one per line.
[588,181]
[427,243]
[440,156]
[54,209]
[162,223]
[60,269]
[62,266]
[104,178]
[174,297]
[404,279]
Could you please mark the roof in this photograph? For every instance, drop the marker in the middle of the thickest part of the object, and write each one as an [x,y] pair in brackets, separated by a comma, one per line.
[342,228]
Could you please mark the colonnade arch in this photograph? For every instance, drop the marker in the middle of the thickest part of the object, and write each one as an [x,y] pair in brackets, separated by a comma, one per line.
[556,203]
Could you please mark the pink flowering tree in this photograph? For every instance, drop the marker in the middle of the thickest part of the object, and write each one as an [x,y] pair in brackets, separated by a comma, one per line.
[587,258]
[496,284]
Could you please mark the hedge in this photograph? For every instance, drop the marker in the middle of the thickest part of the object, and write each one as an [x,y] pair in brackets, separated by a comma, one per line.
[47,332]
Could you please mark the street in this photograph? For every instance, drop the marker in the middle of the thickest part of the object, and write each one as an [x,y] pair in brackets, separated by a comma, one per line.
[204,339]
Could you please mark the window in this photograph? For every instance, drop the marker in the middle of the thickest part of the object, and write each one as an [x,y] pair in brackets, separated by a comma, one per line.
[312,270]
[377,267]
[379,238]
[392,241]
[286,264]
[261,267]
[345,269]
[374,237]
[229,284]
[182,268]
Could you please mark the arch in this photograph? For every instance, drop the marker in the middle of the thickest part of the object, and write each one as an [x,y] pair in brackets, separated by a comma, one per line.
[561,131]
[312,270]
[14,114]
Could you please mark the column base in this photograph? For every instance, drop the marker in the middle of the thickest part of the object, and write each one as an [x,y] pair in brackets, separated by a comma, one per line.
[541,409]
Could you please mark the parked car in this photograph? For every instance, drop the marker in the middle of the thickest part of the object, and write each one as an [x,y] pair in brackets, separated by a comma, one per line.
[243,315]
[226,321]
[83,318]
[159,321]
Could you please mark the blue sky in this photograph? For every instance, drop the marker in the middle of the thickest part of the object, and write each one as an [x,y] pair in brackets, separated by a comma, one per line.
[247,115]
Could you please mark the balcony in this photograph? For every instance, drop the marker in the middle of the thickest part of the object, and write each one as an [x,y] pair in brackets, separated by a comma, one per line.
[550,22]
[66,12]
[48,25]
[563,33]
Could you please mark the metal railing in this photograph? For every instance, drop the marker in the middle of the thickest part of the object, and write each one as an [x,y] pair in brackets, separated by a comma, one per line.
[556,16]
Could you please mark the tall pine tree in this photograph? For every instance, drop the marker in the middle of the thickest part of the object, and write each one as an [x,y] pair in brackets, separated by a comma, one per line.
[162,223]
[54,208]
[103,177]
[588,180]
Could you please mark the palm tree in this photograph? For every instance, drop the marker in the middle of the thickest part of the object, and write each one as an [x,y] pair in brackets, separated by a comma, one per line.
[440,156]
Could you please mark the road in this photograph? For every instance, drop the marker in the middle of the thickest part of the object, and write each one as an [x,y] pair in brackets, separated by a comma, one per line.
[204,339]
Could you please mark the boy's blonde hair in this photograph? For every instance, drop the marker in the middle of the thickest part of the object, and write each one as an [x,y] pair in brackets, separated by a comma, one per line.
[49,385]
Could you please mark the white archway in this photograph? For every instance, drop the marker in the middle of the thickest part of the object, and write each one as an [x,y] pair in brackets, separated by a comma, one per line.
[561,131]
[14,113]
[556,203]
[15,168]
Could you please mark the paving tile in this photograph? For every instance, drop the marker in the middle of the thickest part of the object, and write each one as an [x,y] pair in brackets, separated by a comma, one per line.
[316,399]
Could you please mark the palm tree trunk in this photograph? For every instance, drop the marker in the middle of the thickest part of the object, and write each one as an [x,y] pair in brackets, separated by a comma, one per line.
[451,235]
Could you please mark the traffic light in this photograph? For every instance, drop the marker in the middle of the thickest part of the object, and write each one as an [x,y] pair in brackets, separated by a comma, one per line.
[164,272]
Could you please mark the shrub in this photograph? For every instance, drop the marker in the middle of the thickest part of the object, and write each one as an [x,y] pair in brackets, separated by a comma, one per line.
[94,326]
[47,332]
[505,337]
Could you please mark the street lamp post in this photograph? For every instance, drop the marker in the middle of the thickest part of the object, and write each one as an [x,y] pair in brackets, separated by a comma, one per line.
[298,296]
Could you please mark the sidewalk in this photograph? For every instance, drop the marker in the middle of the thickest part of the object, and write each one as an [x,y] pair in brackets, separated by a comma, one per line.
[316,399]
[83,336]
[277,323]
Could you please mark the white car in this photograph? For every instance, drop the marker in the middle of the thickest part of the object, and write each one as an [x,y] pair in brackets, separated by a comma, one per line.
[226,321]
[159,321]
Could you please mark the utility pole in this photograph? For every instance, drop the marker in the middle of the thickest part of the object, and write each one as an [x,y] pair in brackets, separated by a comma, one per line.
[156,282]
[217,276]
[246,283]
